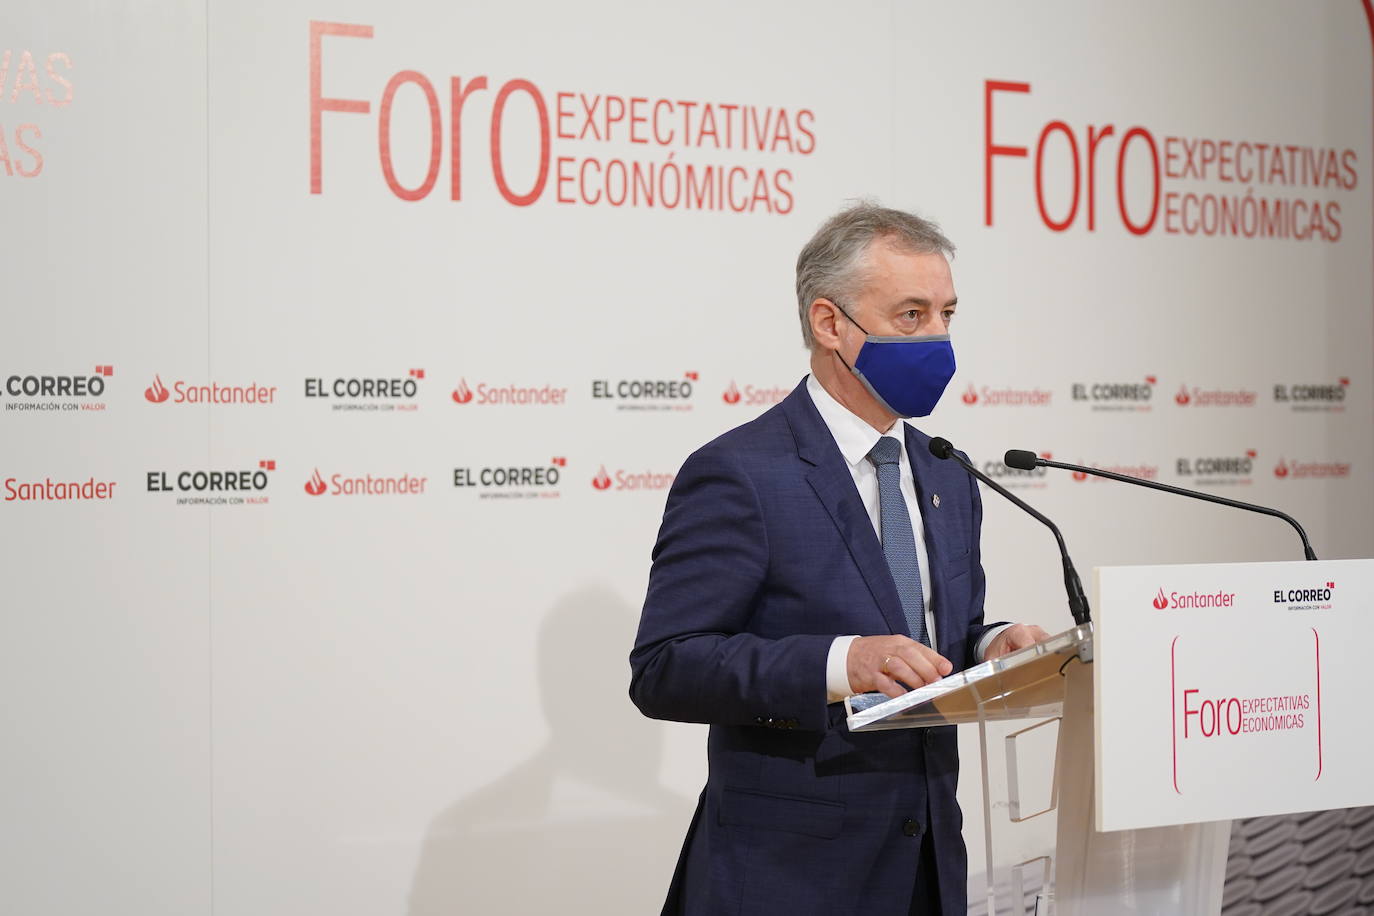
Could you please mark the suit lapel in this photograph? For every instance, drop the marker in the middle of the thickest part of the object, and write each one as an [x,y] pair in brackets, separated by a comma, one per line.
[939,529]
[833,485]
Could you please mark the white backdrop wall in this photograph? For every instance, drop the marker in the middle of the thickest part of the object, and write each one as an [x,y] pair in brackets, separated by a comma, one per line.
[286,701]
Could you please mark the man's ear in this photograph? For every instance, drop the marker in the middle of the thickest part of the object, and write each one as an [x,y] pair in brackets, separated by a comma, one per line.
[825,317]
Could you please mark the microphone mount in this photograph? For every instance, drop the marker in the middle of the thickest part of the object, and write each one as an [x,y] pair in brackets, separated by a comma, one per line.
[1023,460]
[1078,602]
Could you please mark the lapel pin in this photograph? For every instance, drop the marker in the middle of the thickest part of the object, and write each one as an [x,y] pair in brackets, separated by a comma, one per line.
[935,500]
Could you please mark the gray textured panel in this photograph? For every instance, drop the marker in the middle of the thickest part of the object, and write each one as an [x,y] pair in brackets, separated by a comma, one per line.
[1318,863]
[1336,896]
[1322,846]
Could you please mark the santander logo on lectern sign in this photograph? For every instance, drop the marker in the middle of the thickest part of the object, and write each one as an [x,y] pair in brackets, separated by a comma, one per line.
[1193,599]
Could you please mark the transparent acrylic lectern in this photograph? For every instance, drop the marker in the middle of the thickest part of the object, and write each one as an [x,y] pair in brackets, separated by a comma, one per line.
[1041,849]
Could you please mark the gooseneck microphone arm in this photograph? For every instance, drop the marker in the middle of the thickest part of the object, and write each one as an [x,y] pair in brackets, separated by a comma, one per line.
[1023,460]
[1078,602]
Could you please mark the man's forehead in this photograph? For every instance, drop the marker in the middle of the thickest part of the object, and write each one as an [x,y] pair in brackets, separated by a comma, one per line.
[923,277]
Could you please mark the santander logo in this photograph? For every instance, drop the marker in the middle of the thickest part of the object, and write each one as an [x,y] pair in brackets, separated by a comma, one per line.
[462,394]
[1281,469]
[753,395]
[157,392]
[1194,599]
[970,396]
[315,485]
[1215,397]
[625,481]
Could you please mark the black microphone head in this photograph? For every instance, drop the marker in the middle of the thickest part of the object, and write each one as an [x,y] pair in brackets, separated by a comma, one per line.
[1020,459]
[941,448]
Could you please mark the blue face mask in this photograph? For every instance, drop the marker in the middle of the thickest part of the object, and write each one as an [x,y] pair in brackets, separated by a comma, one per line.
[906,374]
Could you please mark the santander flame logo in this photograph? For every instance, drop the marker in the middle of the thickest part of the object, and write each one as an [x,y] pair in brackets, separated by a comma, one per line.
[156,392]
[315,485]
[1182,399]
[1281,469]
[602,480]
[462,394]
[1160,602]
[970,396]
[731,395]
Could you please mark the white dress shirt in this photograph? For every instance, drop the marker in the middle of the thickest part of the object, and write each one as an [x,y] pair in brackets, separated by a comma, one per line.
[856,439]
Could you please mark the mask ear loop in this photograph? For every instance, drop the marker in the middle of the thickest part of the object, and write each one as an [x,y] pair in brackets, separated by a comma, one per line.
[851,321]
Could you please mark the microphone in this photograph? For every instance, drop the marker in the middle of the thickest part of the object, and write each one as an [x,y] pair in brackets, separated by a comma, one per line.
[1023,460]
[1078,602]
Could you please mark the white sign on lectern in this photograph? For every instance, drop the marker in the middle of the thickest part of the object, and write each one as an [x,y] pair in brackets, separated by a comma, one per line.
[1232,690]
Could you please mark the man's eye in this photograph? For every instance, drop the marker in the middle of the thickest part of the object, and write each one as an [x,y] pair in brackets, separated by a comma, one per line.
[949,316]
[912,314]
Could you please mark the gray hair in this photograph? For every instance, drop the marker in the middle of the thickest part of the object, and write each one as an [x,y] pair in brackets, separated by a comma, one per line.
[832,264]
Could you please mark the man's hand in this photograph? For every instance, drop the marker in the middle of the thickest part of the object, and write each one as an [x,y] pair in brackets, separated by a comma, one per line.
[1016,636]
[886,663]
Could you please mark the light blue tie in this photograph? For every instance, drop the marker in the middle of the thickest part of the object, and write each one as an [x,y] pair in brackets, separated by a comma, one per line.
[899,543]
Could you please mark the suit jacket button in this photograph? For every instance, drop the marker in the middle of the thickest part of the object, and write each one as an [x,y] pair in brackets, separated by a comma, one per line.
[911,827]
[758,720]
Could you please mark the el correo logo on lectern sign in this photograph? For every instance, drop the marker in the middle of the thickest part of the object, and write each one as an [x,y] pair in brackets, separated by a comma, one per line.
[1231,690]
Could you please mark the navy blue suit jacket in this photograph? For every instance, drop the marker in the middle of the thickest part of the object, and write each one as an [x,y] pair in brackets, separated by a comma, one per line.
[765,555]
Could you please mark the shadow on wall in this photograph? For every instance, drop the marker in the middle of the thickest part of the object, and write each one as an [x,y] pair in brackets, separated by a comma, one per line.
[583,824]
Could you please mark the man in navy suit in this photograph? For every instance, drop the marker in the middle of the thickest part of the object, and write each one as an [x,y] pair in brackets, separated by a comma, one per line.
[798,557]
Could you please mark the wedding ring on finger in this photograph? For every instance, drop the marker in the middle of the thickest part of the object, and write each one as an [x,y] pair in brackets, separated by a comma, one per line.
[885,661]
